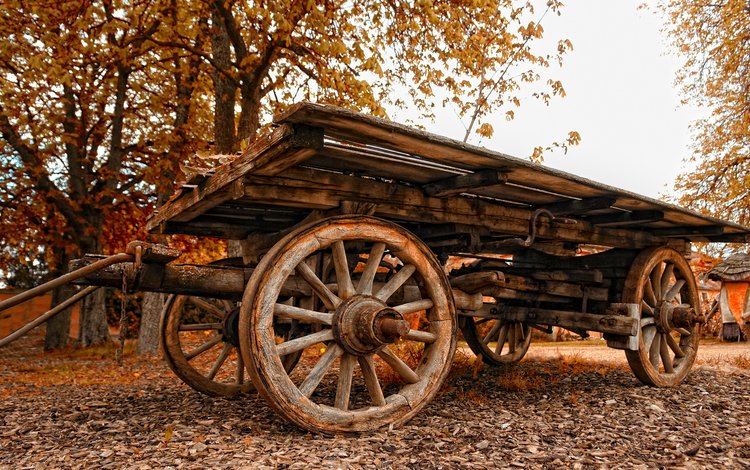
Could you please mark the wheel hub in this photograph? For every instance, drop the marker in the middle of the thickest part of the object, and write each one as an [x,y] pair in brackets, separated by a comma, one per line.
[230,331]
[363,325]
[670,316]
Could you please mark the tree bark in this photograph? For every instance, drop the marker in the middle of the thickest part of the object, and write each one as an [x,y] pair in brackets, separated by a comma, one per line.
[58,327]
[92,324]
[148,334]
[92,320]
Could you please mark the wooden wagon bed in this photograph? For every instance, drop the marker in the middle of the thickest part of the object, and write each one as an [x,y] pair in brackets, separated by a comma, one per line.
[322,157]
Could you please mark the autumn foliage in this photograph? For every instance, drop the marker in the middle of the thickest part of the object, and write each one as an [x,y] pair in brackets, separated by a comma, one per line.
[104,104]
[713,40]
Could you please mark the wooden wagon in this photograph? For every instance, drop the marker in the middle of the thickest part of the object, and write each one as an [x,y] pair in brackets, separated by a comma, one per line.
[342,311]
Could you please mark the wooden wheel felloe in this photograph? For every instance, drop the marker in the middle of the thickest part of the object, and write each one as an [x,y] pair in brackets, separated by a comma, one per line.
[200,340]
[661,282]
[381,346]
[497,341]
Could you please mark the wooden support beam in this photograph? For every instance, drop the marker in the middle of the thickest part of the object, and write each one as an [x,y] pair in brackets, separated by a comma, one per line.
[615,321]
[465,183]
[626,218]
[209,281]
[294,143]
[579,206]
[312,189]
[707,230]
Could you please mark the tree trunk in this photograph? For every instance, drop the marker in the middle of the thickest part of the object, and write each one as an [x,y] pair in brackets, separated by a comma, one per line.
[148,334]
[58,327]
[92,325]
[92,321]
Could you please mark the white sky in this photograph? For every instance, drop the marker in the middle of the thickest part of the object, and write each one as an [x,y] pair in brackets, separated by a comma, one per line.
[621,98]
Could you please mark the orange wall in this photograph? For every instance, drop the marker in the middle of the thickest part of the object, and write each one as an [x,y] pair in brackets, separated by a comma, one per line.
[16,317]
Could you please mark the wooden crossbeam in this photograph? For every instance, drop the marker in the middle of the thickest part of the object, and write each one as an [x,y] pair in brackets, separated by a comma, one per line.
[688,231]
[579,206]
[626,218]
[465,183]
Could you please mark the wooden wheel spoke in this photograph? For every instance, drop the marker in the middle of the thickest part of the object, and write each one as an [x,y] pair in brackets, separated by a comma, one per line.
[329,299]
[653,351]
[646,308]
[201,326]
[396,282]
[343,278]
[479,321]
[421,336]
[302,314]
[501,338]
[416,306]
[371,268]
[208,307]
[203,347]
[521,332]
[493,332]
[512,339]
[399,366]
[240,375]
[666,357]
[666,279]
[676,349]
[371,380]
[674,290]
[647,321]
[220,361]
[648,294]
[317,373]
[344,385]
[298,344]
[656,281]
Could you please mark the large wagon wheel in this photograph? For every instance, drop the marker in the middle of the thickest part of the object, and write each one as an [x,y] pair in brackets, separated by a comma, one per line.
[497,341]
[661,282]
[362,323]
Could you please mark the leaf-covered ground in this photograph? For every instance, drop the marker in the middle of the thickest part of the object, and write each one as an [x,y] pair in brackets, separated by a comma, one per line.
[78,409]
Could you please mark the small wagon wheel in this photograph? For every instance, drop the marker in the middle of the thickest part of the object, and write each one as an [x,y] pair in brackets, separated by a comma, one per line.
[367,365]
[661,282]
[198,348]
[199,337]
[497,341]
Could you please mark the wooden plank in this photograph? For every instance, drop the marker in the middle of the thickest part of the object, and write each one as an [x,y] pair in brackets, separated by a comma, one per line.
[465,183]
[689,231]
[325,190]
[626,218]
[348,125]
[579,206]
[285,147]
[613,322]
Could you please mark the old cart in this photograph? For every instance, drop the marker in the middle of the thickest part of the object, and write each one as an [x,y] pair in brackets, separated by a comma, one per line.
[346,224]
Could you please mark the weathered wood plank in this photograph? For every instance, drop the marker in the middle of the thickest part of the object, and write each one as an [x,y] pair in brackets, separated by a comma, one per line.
[325,190]
[351,126]
[264,156]
[580,206]
[626,218]
[463,183]
[614,322]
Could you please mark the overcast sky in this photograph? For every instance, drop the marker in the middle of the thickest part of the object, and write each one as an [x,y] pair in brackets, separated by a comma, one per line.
[621,98]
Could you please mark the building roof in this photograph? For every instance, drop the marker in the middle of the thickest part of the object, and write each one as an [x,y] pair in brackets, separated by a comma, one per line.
[734,268]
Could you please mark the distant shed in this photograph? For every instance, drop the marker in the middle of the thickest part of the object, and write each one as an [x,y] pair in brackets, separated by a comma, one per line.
[734,299]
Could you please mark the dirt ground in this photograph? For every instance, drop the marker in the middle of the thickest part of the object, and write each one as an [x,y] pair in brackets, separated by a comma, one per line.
[571,405]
